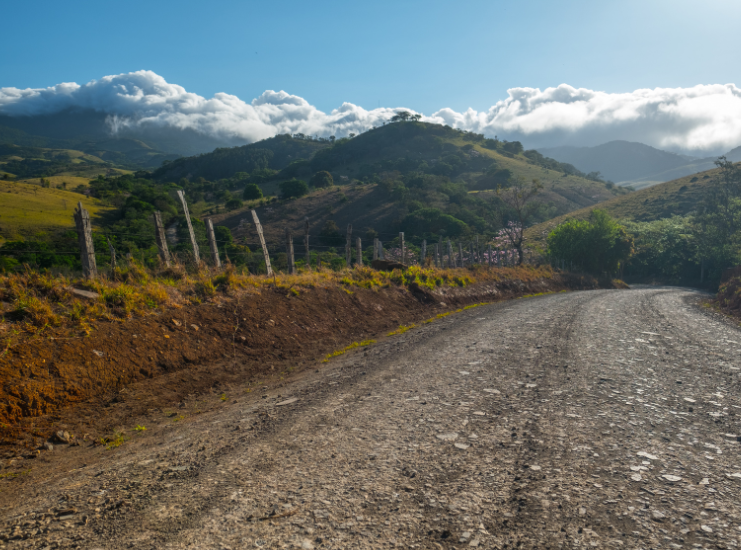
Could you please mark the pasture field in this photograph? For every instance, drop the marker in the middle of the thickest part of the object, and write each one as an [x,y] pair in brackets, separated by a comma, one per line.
[29,209]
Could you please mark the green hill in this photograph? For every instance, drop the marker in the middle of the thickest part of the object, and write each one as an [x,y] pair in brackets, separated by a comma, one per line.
[430,181]
[678,197]
[390,173]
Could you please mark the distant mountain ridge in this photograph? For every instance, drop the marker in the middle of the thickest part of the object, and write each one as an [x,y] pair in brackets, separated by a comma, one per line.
[627,162]
[89,131]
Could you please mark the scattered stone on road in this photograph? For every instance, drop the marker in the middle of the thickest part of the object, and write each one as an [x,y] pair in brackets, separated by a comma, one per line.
[609,428]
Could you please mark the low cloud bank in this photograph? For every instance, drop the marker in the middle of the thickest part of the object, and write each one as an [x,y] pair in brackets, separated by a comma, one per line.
[704,118]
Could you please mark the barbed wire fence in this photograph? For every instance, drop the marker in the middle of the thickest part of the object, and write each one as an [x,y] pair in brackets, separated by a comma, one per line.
[394,249]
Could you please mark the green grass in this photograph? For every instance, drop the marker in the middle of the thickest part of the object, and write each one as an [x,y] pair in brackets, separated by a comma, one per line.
[680,197]
[26,209]
[344,350]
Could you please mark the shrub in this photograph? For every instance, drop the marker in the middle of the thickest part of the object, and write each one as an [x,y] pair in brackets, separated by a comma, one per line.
[293,188]
[252,192]
[322,179]
[233,204]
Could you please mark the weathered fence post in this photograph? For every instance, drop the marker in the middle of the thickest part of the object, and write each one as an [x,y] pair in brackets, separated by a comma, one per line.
[212,242]
[359,243]
[306,244]
[85,238]
[265,254]
[113,254]
[375,249]
[159,234]
[478,251]
[460,254]
[403,248]
[423,253]
[196,252]
[490,261]
[348,246]
[450,254]
[289,253]
[380,251]
[472,256]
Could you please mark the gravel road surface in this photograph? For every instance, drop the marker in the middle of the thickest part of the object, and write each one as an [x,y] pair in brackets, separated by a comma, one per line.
[607,419]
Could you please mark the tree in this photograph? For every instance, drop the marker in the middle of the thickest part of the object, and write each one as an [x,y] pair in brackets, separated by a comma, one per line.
[322,179]
[518,198]
[252,192]
[416,117]
[597,245]
[293,188]
[514,147]
[233,204]
[718,223]
[401,116]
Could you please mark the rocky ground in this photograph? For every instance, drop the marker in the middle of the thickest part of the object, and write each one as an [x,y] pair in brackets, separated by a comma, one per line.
[589,419]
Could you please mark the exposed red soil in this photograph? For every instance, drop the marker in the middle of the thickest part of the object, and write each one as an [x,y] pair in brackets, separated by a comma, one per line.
[121,370]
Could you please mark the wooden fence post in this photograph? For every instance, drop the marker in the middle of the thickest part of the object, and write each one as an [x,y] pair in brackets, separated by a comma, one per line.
[360,251]
[423,253]
[403,248]
[212,242]
[450,254]
[460,254]
[306,244]
[289,253]
[159,234]
[348,246]
[85,238]
[380,251]
[113,254]
[262,243]
[478,251]
[375,249]
[196,252]
[489,258]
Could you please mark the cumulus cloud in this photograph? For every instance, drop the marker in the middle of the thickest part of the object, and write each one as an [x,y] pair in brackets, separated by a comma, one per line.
[701,118]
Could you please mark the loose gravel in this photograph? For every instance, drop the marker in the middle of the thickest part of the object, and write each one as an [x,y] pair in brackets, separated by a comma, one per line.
[607,419]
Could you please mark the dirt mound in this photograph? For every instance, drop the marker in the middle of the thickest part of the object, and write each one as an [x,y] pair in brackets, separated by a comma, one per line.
[273,331]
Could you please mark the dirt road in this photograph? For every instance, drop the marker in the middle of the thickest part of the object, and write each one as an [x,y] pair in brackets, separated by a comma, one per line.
[589,419]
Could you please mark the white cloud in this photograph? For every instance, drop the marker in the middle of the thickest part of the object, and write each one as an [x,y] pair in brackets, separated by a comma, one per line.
[701,118]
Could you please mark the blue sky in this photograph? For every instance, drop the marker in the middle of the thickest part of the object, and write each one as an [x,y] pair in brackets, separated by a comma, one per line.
[423,55]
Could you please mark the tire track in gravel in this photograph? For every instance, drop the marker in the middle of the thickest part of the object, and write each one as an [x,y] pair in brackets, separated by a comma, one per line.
[549,422]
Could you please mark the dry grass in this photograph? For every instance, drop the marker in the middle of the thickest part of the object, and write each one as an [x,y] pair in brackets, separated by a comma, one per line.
[34,302]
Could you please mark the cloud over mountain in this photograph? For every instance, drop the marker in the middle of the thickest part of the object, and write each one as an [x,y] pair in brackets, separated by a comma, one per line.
[701,118]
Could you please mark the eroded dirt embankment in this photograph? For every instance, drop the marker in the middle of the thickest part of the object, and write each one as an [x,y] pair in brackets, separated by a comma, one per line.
[125,368]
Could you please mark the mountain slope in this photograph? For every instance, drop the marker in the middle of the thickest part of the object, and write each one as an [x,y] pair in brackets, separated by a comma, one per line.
[89,129]
[626,162]
[398,176]
[678,197]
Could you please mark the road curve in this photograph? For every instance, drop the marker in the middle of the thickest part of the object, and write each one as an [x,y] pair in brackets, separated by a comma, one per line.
[587,419]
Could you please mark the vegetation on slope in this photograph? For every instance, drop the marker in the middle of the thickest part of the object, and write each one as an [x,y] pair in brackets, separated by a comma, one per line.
[430,181]
[686,231]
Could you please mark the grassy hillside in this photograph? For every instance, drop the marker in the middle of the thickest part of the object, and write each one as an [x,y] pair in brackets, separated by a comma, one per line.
[429,181]
[27,210]
[678,197]
[24,162]
[388,173]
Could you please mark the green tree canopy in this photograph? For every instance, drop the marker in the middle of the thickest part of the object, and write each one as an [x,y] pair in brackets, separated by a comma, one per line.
[252,192]
[596,245]
[293,188]
[322,179]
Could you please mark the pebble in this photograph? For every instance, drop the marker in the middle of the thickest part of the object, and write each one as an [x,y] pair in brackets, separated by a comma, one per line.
[648,456]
